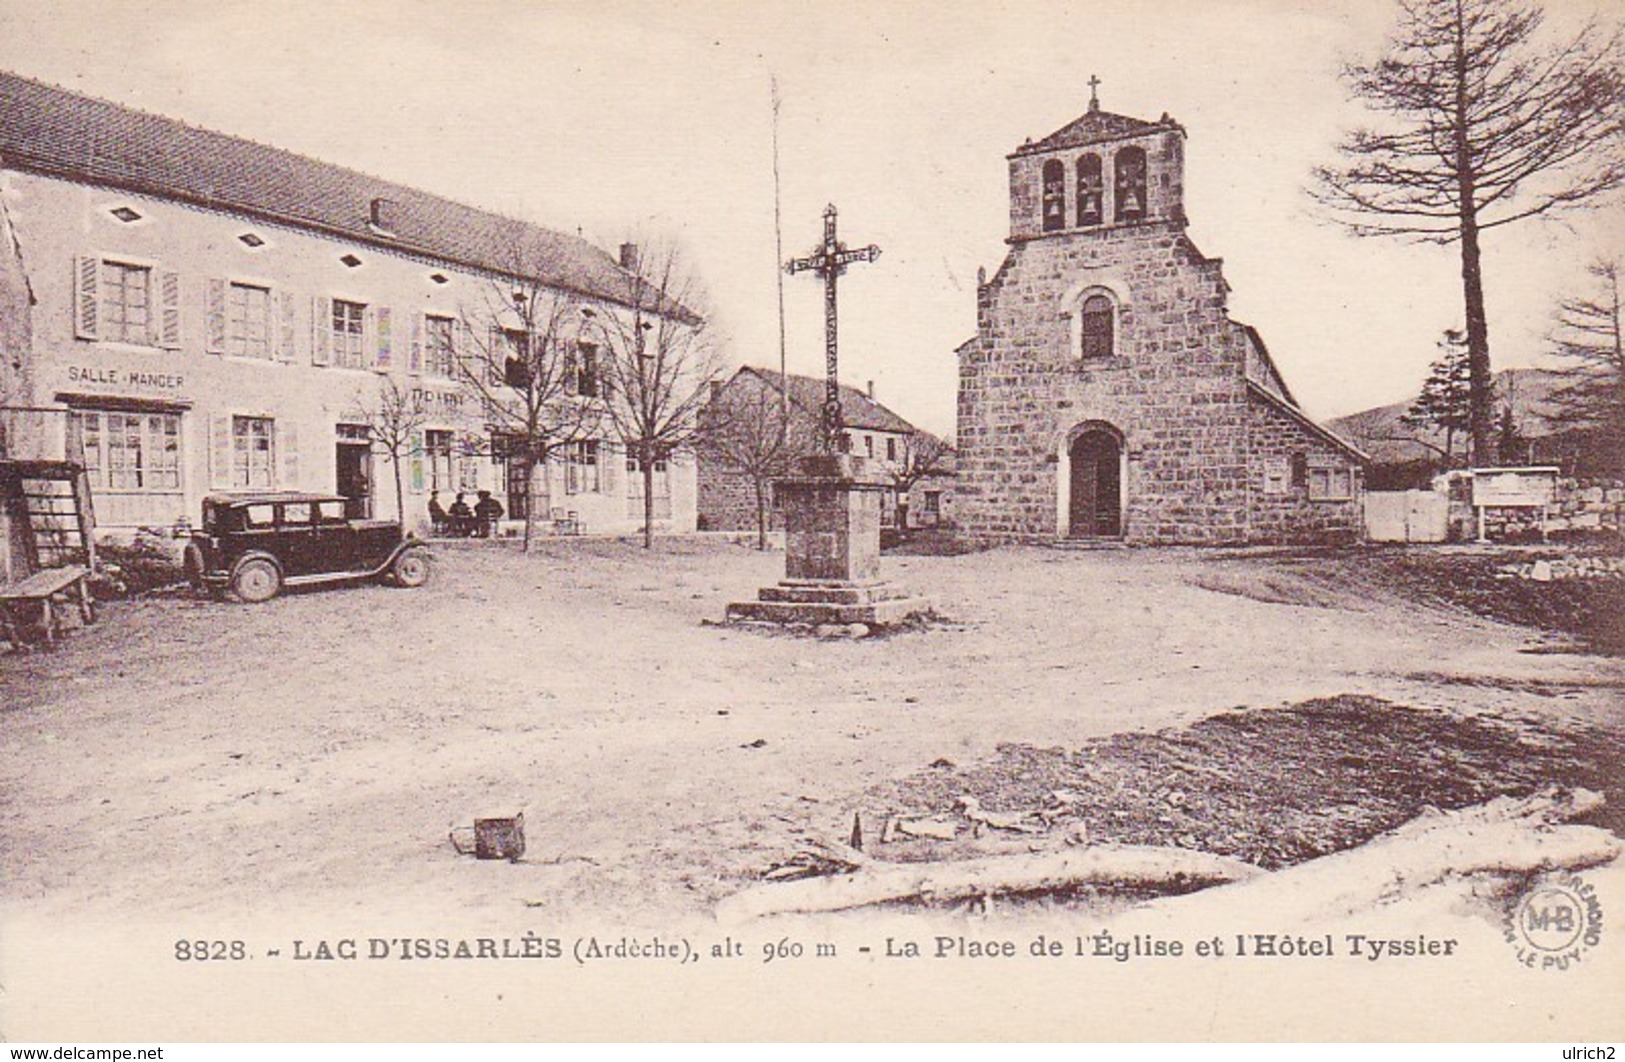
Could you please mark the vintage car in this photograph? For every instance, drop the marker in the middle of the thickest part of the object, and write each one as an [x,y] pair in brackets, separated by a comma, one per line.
[254,545]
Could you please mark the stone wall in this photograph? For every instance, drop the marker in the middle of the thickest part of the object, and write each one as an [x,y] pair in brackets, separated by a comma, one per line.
[1175,389]
[1277,439]
[727,500]
[1583,506]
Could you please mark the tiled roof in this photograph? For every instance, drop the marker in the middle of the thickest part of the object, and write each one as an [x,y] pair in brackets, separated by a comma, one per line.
[1095,126]
[857,409]
[53,131]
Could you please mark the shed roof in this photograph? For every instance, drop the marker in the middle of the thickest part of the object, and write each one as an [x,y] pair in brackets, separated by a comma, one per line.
[858,410]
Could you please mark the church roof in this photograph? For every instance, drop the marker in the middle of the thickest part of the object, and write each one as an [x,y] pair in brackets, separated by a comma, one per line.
[1094,127]
[53,131]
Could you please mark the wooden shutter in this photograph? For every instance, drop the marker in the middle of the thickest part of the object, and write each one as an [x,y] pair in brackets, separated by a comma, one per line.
[609,462]
[414,357]
[86,271]
[496,361]
[415,464]
[220,451]
[369,335]
[383,346]
[286,442]
[215,341]
[169,290]
[286,327]
[321,330]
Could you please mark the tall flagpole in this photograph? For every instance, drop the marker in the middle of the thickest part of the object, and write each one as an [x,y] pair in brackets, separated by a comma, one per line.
[778,256]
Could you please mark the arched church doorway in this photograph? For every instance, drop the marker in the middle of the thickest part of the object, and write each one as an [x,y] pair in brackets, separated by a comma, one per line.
[1096,485]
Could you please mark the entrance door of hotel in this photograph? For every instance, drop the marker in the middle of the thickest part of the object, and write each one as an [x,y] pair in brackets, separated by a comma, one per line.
[1097,485]
[354,471]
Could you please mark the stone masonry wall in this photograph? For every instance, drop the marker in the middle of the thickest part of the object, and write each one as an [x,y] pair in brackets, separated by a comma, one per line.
[727,500]
[1291,516]
[1175,390]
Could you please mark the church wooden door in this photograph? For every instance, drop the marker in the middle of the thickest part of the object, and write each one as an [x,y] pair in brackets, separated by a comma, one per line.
[1096,509]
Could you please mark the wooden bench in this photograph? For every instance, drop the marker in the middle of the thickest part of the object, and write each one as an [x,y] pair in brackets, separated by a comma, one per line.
[32,603]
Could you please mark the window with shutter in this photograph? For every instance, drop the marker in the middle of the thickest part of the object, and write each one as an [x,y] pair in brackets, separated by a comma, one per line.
[125,314]
[253,454]
[439,346]
[248,321]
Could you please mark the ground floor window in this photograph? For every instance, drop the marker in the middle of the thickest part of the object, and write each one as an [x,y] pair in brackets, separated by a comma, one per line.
[932,505]
[130,451]
[253,453]
[634,489]
[581,467]
[1331,484]
[437,450]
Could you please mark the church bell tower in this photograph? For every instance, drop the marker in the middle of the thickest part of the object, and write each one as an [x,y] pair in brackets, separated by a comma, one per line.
[1101,171]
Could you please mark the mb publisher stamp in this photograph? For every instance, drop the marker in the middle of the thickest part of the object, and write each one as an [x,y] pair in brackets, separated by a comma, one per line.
[1555,923]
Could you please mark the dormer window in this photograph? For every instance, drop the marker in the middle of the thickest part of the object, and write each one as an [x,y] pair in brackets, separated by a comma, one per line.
[1130,184]
[1054,197]
[1091,191]
[1097,319]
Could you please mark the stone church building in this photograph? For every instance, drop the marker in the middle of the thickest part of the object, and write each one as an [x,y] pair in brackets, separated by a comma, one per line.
[1107,393]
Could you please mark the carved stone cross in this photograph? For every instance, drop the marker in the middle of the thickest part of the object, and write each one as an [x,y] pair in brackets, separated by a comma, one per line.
[830,261]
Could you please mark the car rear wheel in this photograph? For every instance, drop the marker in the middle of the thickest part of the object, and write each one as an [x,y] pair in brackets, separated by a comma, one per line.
[411,568]
[256,580]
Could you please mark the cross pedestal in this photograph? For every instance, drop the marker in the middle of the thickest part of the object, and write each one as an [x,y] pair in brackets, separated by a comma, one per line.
[832,551]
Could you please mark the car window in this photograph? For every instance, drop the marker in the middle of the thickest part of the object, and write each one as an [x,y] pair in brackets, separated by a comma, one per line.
[330,512]
[295,513]
[261,515]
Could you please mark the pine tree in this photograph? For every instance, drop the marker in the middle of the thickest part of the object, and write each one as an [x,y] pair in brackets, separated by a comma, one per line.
[1484,121]
[1444,402]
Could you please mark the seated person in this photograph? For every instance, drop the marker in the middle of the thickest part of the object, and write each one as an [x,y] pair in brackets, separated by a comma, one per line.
[461,517]
[487,511]
[437,514]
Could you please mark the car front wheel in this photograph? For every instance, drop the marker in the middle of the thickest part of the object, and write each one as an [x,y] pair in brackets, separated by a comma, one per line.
[411,568]
[256,580]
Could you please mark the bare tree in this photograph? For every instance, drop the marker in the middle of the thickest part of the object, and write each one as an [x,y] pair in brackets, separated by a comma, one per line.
[746,432]
[658,359]
[1485,122]
[1588,335]
[394,417]
[520,358]
[924,455]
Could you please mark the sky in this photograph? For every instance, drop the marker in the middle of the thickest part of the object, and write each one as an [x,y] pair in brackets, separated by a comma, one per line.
[655,122]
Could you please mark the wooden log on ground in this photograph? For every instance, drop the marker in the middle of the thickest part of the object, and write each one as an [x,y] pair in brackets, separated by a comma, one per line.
[1129,865]
[1506,836]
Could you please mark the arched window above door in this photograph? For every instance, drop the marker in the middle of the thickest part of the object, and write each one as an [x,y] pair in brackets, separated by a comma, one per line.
[1097,326]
